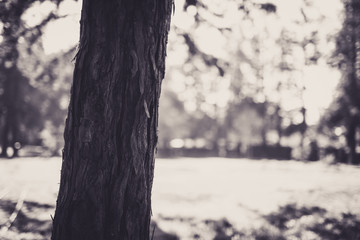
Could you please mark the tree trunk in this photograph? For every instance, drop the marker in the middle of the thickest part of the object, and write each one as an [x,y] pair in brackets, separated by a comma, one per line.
[349,49]
[111,128]
[303,128]
[11,106]
[278,124]
[351,139]
[4,138]
[264,127]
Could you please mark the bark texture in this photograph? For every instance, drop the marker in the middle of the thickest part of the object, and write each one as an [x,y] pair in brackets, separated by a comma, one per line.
[111,128]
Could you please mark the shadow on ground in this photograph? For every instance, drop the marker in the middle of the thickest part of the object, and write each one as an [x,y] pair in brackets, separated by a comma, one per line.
[290,222]
[294,222]
[33,222]
[314,223]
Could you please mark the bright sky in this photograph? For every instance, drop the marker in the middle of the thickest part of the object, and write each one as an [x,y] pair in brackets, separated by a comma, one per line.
[320,83]
[61,34]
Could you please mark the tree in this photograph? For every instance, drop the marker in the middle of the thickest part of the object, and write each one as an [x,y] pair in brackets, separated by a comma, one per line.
[111,128]
[12,82]
[210,75]
[346,109]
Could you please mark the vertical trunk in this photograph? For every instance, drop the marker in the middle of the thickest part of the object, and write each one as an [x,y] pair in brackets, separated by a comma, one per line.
[278,124]
[263,115]
[351,139]
[4,138]
[352,83]
[7,120]
[15,130]
[110,135]
[10,99]
[303,129]
[13,108]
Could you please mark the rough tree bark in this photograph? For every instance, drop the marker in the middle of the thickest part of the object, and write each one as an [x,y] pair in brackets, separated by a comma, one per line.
[111,128]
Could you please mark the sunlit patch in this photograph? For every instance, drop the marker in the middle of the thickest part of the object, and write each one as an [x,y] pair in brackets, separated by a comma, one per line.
[191,10]
[211,41]
[63,33]
[8,64]
[9,151]
[60,35]
[64,102]
[182,20]
[177,143]
[339,131]
[190,106]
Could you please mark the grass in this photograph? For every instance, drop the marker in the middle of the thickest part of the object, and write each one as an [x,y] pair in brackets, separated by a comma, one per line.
[213,198]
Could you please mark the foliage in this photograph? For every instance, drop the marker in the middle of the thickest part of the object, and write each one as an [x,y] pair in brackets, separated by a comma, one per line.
[236,72]
[239,69]
[29,103]
[345,109]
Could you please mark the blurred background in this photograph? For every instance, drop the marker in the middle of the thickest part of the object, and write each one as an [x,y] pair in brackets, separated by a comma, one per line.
[259,118]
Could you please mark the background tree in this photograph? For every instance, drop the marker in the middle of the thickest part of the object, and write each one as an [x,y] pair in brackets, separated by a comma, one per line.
[111,129]
[17,37]
[345,110]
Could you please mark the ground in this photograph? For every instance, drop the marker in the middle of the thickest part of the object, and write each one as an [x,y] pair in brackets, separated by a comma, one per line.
[210,198]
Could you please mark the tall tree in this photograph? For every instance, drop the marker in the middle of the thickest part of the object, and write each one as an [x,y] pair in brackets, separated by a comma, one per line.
[348,53]
[111,128]
[14,30]
[11,13]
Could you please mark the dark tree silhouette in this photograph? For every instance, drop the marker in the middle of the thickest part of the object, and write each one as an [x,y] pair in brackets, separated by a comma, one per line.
[348,56]
[11,18]
[14,30]
[111,128]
